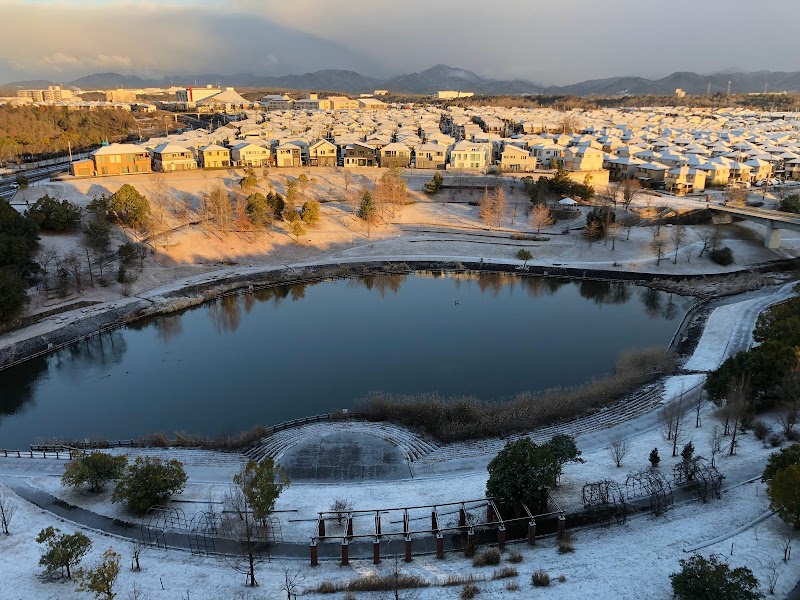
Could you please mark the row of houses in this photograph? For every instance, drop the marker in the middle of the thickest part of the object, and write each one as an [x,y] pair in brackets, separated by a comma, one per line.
[684,150]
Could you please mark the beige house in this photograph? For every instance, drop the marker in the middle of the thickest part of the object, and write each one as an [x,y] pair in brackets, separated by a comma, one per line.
[246,154]
[685,180]
[470,156]
[515,158]
[213,156]
[343,103]
[582,158]
[718,171]
[288,155]
[793,169]
[431,156]
[395,155]
[121,159]
[313,102]
[169,157]
[359,154]
[371,104]
[322,153]
[546,153]
[651,173]
[759,169]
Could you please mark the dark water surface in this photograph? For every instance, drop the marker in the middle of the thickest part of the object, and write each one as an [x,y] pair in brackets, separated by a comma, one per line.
[282,353]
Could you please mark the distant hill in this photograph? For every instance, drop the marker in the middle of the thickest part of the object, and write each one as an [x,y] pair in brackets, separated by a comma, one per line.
[443,77]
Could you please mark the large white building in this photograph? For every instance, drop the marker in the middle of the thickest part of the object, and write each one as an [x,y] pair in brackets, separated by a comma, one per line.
[452,95]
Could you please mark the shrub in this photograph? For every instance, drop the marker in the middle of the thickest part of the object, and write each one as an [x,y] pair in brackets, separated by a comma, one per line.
[100,580]
[722,256]
[490,556]
[95,468]
[470,590]
[784,494]
[565,545]
[562,578]
[51,215]
[148,482]
[310,211]
[505,573]
[780,460]
[791,203]
[775,440]
[128,206]
[64,550]
[524,254]
[98,233]
[701,579]
[512,586]
[522,471]
[514,556]
[341,507]
[761,430]
[540,579]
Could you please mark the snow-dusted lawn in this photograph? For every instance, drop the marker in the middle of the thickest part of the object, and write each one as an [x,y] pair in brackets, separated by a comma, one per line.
[629,561]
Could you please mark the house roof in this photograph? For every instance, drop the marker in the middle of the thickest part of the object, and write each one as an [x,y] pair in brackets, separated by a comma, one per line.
[169,147]
[119,149]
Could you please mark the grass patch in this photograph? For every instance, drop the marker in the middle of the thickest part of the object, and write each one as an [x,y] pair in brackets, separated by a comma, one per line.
[470,590]
[523,237]
[488,557]
[464,417]
[505,573]
[512,586]
[514,556]
[565,545]
[540,579]
[461,580]
[373,583]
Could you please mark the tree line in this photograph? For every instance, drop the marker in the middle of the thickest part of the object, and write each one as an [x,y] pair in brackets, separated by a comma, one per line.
[43,130]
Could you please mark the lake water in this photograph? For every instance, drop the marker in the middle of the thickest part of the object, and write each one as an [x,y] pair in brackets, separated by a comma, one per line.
[282,353]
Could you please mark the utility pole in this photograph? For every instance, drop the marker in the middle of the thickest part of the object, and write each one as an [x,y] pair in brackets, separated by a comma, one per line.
[69,145]
[729,88]
[708,89]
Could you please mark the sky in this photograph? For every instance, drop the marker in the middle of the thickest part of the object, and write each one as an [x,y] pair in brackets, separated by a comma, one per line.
[545,41]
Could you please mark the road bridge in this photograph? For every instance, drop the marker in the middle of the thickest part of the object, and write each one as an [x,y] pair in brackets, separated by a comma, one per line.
[774,221]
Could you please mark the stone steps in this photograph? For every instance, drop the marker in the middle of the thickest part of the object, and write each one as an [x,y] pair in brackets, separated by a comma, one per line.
[413,446]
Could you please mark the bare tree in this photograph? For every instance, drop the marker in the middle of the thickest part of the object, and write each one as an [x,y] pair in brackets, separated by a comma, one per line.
[498,205]
[612,232]
[678,234]
[772,576]
[715,444]
[789,406]
[671,419]
[541,216]
[136,552]
[731,413]
[7,509]
[292,581]
[72,261]
[248,537]
[657,245]
[341,507]
[735,196]
[787,548]
[631,189]
[618,449]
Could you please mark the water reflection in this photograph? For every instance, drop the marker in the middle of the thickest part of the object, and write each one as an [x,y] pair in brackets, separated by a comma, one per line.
[171,372]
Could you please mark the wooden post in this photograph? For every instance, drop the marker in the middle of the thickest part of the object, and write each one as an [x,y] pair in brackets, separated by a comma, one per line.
[561,529]
[462,517]
[434,522]
[378,523]
[439,546]
[345,553]
[469,549]
[531,533]
[349,527]
[408,549]
[314,556]
[501,539]
[489,513]
[321,532]
[376,552]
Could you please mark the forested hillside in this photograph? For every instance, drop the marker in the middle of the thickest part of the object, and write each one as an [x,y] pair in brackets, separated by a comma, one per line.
[43,130]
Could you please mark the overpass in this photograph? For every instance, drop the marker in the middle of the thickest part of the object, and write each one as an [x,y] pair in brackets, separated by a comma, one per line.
[774,221]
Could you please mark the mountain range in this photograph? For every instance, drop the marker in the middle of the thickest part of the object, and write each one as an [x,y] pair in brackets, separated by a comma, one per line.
[443,77]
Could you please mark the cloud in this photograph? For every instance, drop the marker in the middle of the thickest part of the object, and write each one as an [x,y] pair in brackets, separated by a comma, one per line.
[61,62]
[545,41]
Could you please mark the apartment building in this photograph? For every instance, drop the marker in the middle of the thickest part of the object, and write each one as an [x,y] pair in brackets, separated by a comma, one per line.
[53,93]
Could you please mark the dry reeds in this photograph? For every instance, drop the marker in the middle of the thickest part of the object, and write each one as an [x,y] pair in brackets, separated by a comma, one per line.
[464,418]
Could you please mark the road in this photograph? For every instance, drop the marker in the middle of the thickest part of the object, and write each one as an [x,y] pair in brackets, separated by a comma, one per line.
[7,189]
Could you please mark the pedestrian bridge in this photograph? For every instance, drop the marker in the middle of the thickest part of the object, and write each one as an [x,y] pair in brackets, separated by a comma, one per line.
[774,220]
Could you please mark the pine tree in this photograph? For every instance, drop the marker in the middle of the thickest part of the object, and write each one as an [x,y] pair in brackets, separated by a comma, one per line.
[655,459]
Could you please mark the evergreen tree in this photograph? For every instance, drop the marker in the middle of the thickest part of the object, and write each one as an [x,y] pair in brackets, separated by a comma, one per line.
[367,210]
[95,468]
[655,459]
[261,482]
[51,215]
[148,482]
[709,579]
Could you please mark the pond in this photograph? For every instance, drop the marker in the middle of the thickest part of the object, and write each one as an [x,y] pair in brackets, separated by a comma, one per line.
[281,353]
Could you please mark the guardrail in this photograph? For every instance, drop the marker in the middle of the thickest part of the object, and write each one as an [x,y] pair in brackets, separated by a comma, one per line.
[63,453]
